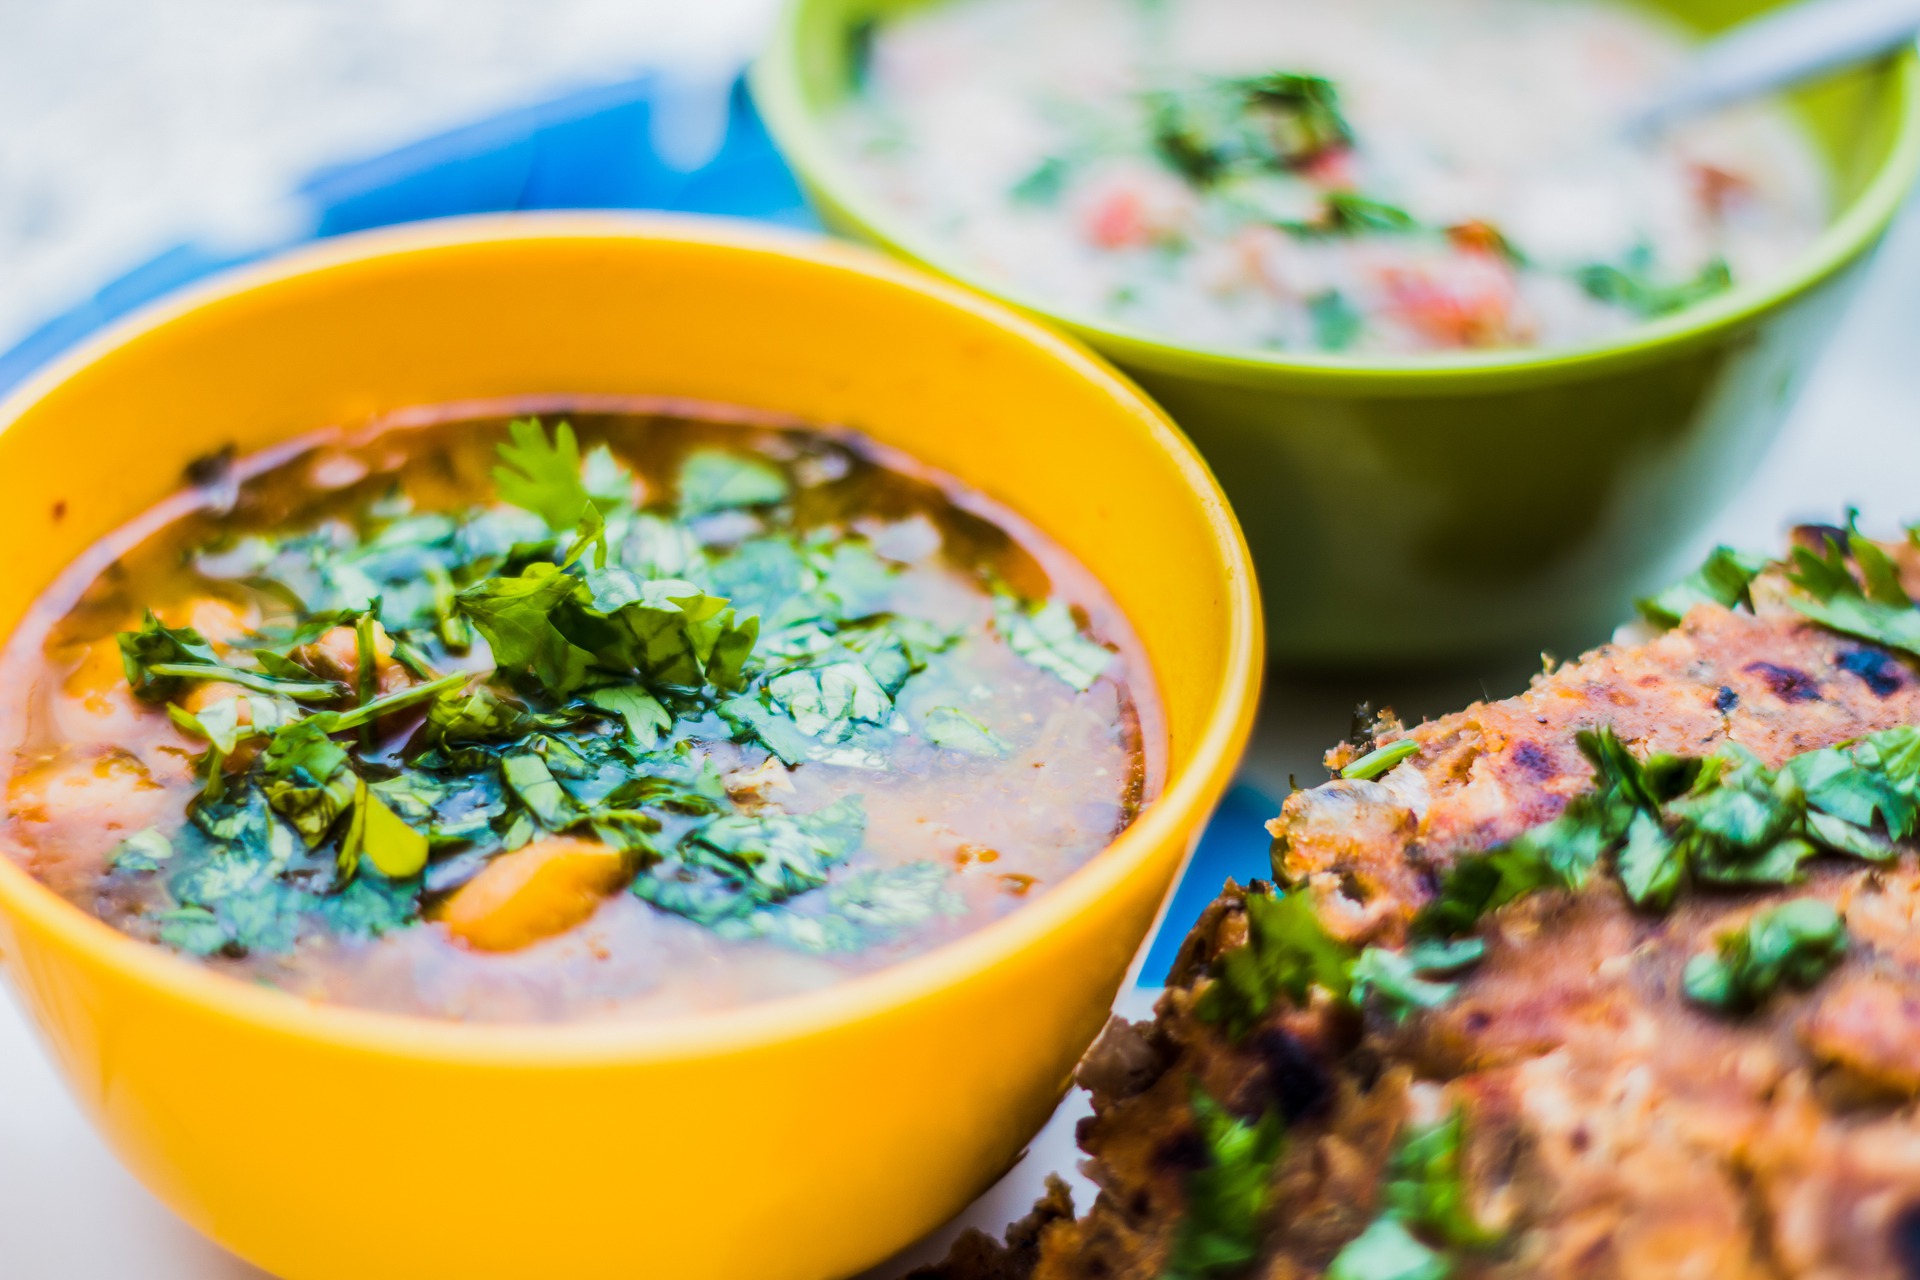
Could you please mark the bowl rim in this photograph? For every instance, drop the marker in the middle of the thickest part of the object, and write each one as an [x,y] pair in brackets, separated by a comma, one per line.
[776,83]
[1174,818]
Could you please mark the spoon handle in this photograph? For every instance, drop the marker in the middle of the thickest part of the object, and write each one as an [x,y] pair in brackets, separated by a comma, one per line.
[1781,48]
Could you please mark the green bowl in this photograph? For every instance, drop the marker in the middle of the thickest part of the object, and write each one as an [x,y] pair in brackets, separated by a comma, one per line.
[1414,509]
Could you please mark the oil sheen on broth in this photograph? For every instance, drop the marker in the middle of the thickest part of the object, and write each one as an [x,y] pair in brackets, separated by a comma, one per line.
[668,709]
[1366,177]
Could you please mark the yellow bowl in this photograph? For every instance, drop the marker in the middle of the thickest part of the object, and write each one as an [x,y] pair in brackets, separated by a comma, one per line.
[805,1137]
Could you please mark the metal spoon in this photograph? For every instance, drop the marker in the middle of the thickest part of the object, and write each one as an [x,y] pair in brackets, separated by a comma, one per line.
[1779,49]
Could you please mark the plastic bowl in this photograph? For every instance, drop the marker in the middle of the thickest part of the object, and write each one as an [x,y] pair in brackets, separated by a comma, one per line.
[799,1139]
[1424,508]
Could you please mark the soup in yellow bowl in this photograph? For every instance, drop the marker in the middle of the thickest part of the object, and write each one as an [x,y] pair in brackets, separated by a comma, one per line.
[787,1066]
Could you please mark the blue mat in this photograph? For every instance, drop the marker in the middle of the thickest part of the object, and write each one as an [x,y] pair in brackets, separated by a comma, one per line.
[588,150]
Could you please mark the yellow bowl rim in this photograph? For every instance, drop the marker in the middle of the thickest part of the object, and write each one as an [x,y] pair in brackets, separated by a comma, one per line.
[1184,802]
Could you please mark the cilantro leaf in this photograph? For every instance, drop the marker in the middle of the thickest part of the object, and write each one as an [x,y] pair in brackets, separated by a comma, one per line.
[1426,1184]
[1044,184]
[1350,214]
[646,720]
[1228,1200]
[144,850]
[665,630]
[1831,596]
[1632,288]
[1403,979]
[160,661]
[1288,952]
[868,906]
[1723,579]
[155,643]
[1424,1192]
[955,730]
[1386,1250]
[719,480]
[542,475]
[1047,636]
[732,866]
[1337,323]
[528,776]
[516,617]
[1304,111]
[306,779]
[1794,944]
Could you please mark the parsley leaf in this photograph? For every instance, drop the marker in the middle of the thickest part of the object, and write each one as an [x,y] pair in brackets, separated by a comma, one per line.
[1794,944]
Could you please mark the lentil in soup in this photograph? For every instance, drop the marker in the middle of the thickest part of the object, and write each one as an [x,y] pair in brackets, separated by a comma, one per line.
[648,708]
[1363,176]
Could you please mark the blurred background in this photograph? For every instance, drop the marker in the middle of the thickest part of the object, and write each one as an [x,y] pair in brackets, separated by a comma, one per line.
[144,142]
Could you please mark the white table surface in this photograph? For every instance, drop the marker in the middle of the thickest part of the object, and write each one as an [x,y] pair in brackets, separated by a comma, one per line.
[69,1212]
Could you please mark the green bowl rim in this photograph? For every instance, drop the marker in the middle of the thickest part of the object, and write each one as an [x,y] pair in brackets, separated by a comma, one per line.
[776,85]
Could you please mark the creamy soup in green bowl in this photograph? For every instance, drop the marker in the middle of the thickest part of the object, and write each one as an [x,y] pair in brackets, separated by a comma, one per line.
[1471,361]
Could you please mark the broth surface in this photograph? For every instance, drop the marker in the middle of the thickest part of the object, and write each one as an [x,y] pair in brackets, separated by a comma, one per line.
[832,709]
[1367,176]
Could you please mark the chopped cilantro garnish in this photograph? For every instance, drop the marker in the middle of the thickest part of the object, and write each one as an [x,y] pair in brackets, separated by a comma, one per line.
[955,730]
[1794,944]
[1403,980]
[705,614]
[1632,288]
[1289,952]
[1304,112]
[1425,1218]
[1043,184]
[1878,609]
[142,851]
[1386,1250]
[718,480]
[1337,323]
[1047,636]
[1381,759]
[543,476]
[1724,579]
[1348,213]
[1228,1200]
[1269,123]
[1725,819]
